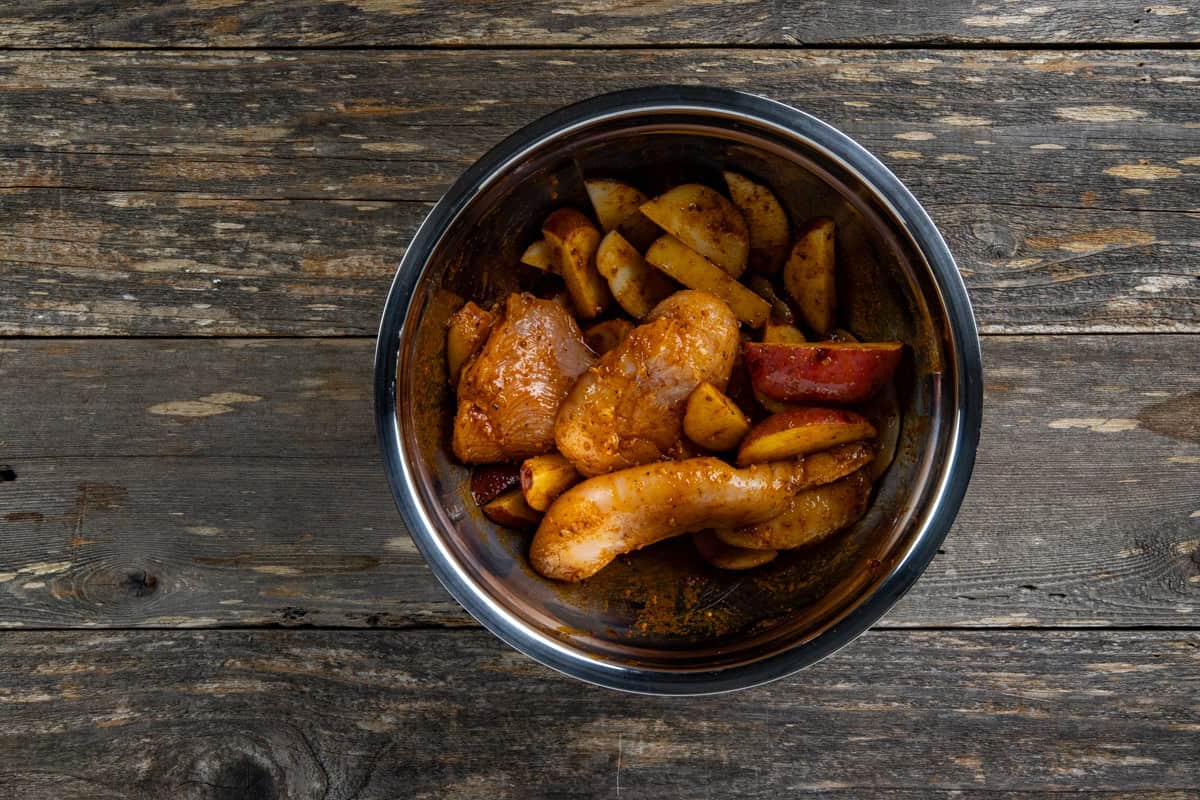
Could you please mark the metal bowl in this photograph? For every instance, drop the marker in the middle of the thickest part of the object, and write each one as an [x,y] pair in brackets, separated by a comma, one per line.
[661,621]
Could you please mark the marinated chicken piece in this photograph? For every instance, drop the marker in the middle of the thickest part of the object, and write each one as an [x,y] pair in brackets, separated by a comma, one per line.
[628,409]
[510,391]
[594,522]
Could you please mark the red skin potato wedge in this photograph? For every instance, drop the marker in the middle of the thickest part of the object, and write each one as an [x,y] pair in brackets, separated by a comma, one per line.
[829,372]
[492,480]
[510,510]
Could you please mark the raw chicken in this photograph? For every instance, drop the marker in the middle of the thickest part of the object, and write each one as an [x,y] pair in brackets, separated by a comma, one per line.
[603,517]
[510,392]
[628,409]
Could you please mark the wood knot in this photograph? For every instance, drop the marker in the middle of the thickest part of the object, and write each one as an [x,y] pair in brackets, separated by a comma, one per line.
[7,473]
[999,240]
[140,584]
[238,759]
[245,779]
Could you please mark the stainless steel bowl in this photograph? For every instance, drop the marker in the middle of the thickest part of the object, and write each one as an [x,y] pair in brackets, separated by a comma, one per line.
[661,621]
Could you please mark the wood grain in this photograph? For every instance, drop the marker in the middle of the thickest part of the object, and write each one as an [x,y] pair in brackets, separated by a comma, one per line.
[429,714]
[180,193]
[210,482]
[356,23]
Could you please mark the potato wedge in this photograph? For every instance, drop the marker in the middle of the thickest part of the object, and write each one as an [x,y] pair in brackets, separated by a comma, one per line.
[617,206]
[809,274]
[706,222]
[511,511]
[636,285]
[540,255]
[726,556]
[884,412]
[544,478]
[712,420]
[613,201]
[466,332]
[813,515]
[766,220]
[802,431]
[605,336]
[574,240]
[831,372]
[836,463]
[782,334]
[696,272]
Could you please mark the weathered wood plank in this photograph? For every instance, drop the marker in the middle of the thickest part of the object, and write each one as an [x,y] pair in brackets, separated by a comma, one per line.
[275,23]
[235,398]
[276,190]
[208,482]
[430,714]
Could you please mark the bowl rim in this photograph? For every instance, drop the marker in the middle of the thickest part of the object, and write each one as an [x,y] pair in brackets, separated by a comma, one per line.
[960,450]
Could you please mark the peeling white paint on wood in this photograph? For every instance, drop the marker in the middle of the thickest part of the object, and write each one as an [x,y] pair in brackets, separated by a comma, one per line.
[1095,424]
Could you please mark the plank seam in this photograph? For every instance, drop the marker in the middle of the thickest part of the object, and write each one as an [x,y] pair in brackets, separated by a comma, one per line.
[915,44]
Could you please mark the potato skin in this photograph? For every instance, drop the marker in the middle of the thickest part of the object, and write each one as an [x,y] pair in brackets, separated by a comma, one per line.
[492,480]
[821,372]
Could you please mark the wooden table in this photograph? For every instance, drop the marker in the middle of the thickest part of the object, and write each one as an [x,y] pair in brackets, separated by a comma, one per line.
[205,587]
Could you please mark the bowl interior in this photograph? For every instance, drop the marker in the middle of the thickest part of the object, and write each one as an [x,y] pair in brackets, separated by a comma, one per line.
[664,608]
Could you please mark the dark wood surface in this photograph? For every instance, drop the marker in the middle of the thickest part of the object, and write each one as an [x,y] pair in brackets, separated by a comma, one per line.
[200,482]
[201,206]
[457,715]
[272,193]
[540,23]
